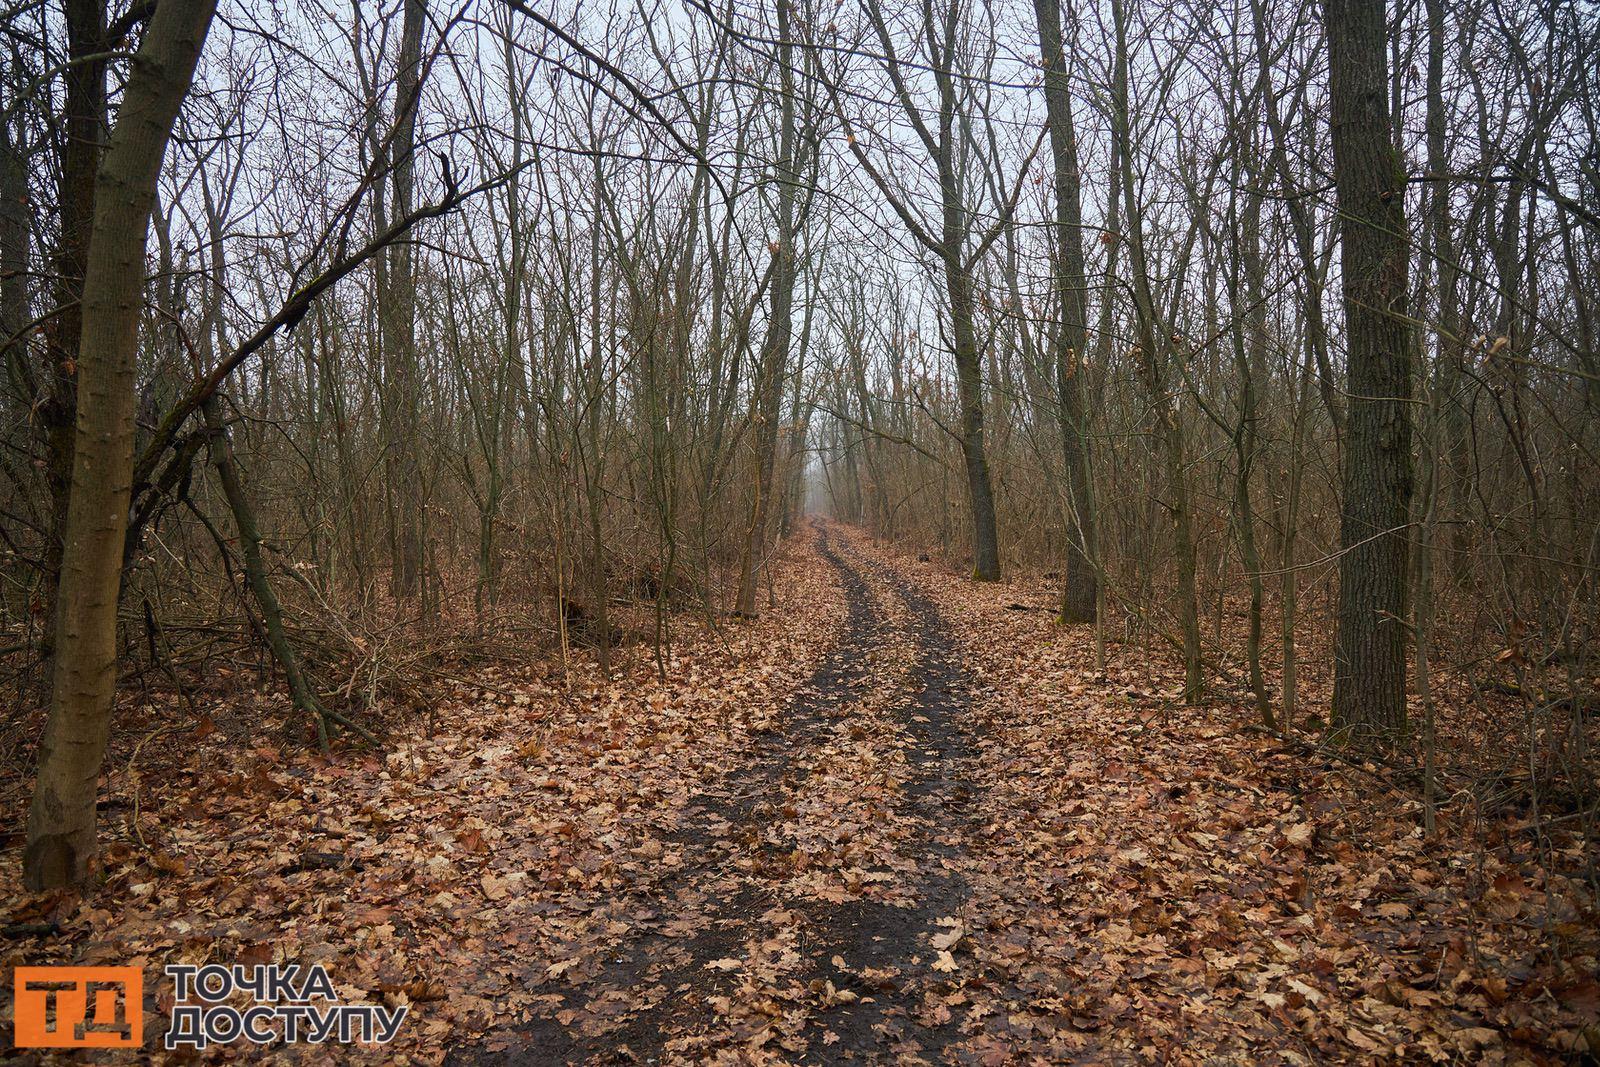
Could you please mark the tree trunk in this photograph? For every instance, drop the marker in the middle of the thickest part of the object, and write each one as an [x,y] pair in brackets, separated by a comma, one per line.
[1152,364]
[969,389]
[255,568]
[14,243]
[61,817]
[84,120]
[1080,592]
[397,317]
[964,337]
[1370,649]
[780,328]
[596,466]
[1291,533]
[1250,364]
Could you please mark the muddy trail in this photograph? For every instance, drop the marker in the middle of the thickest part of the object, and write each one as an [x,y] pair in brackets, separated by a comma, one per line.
[818,948]
[882,951]
[891,820]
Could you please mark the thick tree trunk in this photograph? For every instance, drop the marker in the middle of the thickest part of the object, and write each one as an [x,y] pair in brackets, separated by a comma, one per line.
[1080,592]
[1370,650]
[61,818]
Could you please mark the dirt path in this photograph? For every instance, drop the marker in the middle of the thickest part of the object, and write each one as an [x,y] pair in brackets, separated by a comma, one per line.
[943,837]
[799,923]
[892,820]
[883,951]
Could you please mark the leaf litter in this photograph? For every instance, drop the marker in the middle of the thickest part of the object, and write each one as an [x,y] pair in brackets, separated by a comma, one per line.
[893,820]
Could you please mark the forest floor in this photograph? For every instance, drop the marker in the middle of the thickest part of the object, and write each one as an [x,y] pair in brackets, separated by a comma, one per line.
[899,818]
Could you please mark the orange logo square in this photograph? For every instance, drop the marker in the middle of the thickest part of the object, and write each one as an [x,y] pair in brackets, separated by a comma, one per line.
[79,1007]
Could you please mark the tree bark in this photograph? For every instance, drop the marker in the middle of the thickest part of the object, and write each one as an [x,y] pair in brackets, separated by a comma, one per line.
[969,391]
[14,244]
[595,468]
[1080,593]
[1370,649]
[255,569]
[1249,349]
[84,121]
[939,30]
[61,817]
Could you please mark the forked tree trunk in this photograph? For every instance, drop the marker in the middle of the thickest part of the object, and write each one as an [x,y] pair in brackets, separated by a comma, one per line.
[61,817]
[1370,650]
[955,228]
[940,32]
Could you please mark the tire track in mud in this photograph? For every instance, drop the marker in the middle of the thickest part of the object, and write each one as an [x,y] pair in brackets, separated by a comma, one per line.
[654,983]
[643,974]
[885,950]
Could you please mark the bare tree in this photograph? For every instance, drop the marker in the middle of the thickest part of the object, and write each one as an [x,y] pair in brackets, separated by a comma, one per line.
[1081,590]
[953,242]
[61,818]
[1370,657]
